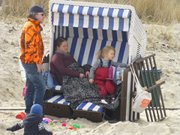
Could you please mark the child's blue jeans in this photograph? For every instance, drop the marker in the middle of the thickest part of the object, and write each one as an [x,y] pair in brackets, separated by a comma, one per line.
[35,86]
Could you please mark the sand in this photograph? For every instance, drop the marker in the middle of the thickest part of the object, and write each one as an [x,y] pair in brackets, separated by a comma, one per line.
[162,40]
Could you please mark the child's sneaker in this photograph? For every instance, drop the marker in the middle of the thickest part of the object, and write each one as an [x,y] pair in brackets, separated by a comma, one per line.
[104,101]
[113,100]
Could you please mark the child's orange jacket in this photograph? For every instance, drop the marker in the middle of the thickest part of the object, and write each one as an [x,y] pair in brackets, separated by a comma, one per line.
[32,48]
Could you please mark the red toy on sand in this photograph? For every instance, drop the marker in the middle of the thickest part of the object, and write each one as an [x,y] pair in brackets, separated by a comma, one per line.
[21,116]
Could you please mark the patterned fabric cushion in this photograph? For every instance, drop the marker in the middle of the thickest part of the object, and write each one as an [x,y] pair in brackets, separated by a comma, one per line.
[89,106]
[58,99]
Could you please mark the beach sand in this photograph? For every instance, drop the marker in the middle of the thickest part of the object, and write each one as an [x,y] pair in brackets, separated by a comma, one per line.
[162,40]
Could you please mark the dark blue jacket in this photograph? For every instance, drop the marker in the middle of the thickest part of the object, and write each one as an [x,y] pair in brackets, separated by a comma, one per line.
[33,125]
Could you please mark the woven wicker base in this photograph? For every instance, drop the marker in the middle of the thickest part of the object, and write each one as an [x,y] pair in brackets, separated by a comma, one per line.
[92,116]
[58,110]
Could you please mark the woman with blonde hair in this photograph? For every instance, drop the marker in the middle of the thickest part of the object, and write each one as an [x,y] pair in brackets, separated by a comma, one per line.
[101,72]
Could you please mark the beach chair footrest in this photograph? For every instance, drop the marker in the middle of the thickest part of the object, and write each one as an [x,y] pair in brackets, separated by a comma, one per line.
[89,111]
[58,110]
[56,105]
[92,116]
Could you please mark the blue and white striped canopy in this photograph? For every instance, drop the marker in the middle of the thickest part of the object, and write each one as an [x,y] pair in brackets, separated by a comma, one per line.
[90,17]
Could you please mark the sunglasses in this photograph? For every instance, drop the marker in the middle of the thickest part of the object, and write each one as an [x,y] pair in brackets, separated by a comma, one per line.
[42,14]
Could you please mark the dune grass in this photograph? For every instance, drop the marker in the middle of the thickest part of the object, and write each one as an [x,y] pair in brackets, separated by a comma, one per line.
[157,11]
[19,8]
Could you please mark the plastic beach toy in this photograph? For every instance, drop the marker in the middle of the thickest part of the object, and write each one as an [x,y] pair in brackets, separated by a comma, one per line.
[63,124]
[47,120]
[51,123]
[21,115]
[71,128]
[77,126]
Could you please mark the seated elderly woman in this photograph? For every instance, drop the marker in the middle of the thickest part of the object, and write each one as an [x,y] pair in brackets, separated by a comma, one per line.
[73,78]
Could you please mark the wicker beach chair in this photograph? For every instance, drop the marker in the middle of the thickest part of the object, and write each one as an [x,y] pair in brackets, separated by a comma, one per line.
[88,28]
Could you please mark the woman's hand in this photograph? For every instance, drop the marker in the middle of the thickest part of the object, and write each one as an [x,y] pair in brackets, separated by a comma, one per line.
[91,80]
[40,68]
[81,75]
[87,73]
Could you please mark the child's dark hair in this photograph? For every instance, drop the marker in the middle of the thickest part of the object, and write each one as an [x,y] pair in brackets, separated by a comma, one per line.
[59,41]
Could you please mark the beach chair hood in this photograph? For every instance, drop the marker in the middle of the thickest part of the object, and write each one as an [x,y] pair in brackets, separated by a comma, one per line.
[91,26]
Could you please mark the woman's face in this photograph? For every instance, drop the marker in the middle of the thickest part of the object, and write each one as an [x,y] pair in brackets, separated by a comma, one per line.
[63,47]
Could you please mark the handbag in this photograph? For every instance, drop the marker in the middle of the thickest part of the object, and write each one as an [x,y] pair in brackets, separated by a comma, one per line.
[142,98]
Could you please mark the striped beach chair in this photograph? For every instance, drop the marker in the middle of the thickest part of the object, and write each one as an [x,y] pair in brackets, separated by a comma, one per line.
[91,26]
